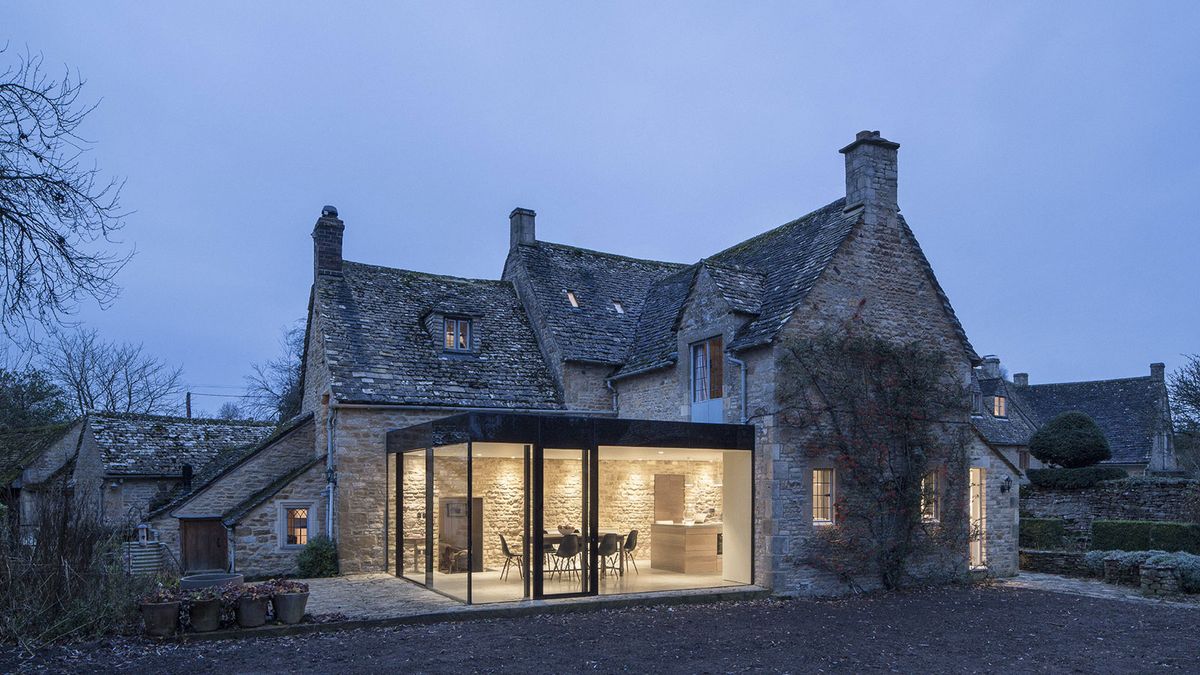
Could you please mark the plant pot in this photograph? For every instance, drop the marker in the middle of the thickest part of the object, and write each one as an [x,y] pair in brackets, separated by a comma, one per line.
[289,607]
[251,612]
[160,618]
[206,615]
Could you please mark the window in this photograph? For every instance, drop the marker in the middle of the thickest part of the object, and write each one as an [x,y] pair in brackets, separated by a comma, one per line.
[297,527]
[572,299]
[708,373]
[977,404]
[999,406]
[617,306]
[822,497]
[929,497]
[1023,459]
[458,335]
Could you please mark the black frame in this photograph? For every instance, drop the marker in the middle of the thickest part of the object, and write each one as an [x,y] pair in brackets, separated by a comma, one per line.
[587,434]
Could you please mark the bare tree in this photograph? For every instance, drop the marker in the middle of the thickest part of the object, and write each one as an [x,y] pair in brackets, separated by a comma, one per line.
[273,390]
[230,410]
[1184,386]
[111,377]
[56,215]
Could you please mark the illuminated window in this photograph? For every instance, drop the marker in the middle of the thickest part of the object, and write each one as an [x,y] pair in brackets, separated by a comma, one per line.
[822,497]
[708,373]
[572,299]
[999,406]
[297,527]
[617,306]
[929,497]
[458,335]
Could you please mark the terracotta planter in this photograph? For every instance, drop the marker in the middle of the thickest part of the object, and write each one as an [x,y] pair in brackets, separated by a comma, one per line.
[205,615]
[289,607]
[161,618]
[251,613]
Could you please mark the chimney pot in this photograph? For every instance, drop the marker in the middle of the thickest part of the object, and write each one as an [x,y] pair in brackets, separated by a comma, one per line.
[1158,371]
[521,227]
[871,173]
[1021,379]
[327,243]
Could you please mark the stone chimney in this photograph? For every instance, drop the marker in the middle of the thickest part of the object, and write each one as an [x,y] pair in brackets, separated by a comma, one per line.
[1021,379]
[871,173]
[520,227]
[327,243]
[1158,371]
[991,367]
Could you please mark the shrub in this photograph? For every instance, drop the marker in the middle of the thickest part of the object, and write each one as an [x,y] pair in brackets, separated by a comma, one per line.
[1074,479]
[1070,440]
[318,559]
[1188,566]
[1142,535]
[1042,534]
[1093,562]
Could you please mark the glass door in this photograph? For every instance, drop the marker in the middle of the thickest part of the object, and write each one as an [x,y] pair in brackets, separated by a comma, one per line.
[563,554]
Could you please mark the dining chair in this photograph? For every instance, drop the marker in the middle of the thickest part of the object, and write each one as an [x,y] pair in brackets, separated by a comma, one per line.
[630,545]
[547,552]
[510,559]
[564,557]
[610,547]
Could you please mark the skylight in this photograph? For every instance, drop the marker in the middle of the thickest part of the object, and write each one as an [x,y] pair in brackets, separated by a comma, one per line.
[572,299]
[617,306]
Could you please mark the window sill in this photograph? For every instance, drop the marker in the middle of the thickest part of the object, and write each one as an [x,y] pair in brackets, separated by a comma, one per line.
[822,523]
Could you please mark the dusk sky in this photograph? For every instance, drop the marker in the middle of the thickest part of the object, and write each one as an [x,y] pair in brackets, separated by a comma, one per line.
[1049,161]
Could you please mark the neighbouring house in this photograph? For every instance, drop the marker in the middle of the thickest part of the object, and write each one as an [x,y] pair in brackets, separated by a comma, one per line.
[123,465]
[588,422]
[1133,412]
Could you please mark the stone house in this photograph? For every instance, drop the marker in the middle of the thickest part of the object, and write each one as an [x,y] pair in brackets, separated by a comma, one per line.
[1133,412]
[568,333]
[124,465]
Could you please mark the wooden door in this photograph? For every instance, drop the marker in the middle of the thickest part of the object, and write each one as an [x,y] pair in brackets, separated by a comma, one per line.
[203,545]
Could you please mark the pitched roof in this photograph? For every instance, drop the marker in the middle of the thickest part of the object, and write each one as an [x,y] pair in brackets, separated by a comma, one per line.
[157,445]
[379,350]
[593,332]
[741,287]
[1015,429]
[19,447]
[654,343]
[239,510]
[1129,410]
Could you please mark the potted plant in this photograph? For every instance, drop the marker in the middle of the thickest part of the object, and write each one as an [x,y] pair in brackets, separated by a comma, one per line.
[204,608]
[160,610]
[251,604]
[289,600]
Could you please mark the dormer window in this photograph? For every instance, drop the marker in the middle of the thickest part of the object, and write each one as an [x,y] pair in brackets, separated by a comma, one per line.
[977,404]
[617,306]
[572,299]
[999,406]
[458,335]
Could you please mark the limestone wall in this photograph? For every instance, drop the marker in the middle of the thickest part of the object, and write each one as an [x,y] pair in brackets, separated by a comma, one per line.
[1001,512]
[259,550]
[1162,499]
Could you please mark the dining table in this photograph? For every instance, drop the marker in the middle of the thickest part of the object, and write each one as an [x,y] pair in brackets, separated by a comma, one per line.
[556,538]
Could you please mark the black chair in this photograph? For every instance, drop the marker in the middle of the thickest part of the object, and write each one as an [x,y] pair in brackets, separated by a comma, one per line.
[630,545]
[564,557]
[510,559]
[610,547]
[547,553]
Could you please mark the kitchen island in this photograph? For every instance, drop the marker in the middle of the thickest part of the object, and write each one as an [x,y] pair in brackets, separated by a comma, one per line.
[691,549]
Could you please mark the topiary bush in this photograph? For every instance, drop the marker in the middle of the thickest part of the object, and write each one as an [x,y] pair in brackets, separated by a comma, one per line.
[1071,440]
[318,559]
[1074,479]
[1143,535]
[1042,534]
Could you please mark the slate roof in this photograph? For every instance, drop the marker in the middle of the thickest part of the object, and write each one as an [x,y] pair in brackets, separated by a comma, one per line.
[379,350]
[1127,410]
[235,514]
[654,343]
[155,445]
[19,447]
[594,332]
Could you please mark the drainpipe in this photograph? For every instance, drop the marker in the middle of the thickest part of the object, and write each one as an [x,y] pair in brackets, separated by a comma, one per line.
[742,366]
[330,473]
[609,384]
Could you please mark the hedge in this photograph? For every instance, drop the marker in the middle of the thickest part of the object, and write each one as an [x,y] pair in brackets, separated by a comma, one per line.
[1042,534]
[1074,479]
[1145,535]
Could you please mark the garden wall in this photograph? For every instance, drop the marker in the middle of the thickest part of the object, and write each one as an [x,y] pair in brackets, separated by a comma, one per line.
[1158,499]
[1069,563]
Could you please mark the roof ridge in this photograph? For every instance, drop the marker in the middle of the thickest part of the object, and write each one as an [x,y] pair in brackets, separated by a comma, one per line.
[1112,379]
[777,229]
[608,254]
[432,275]
[146,417]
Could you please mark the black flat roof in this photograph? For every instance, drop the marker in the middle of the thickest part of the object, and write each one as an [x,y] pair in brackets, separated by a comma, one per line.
[569,431]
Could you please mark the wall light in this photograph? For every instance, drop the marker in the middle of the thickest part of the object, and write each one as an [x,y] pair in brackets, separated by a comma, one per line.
[1006,485]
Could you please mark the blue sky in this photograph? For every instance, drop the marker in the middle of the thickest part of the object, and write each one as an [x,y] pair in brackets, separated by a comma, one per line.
[1049,165]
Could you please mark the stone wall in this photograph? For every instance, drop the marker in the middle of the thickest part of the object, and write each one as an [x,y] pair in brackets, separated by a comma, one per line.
[1161,499]
[1001,512]
[259,550]
[1068,563]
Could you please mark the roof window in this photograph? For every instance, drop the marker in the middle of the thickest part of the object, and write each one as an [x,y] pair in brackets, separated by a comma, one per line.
[572,299]
[999,406]
[617,306]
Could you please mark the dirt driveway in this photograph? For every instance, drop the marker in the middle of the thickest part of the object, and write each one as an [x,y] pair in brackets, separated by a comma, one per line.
[983,629]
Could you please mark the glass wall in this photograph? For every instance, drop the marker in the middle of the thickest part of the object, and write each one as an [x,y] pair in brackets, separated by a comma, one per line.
[454,528]
[673,519]
[564,521]
[411,539]
[498,485]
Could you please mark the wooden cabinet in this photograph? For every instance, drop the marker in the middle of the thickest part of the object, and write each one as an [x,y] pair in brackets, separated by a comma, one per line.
[691,549]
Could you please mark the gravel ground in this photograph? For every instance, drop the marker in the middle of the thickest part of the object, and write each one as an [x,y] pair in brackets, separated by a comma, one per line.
[979,629]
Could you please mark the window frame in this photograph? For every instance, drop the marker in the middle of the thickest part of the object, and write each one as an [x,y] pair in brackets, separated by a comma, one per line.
[1000,407]
[311,525]
[452,333]
[934,494]
[828,500]
[709,384]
